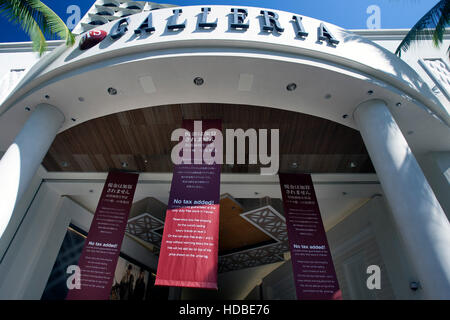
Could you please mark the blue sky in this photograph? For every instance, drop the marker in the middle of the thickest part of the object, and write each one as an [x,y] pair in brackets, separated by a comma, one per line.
[349,14]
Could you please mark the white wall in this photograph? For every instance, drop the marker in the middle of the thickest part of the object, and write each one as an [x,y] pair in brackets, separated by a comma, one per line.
[436,166]
[19,55]
[370,234]
[426,50]
[20,210]
[19,270]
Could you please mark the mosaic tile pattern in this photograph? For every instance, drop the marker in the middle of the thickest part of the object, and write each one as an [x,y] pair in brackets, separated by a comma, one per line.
[271,222]
[250,258]
[144,226]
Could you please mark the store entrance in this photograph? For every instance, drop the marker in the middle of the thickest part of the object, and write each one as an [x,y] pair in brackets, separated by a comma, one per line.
[252,233]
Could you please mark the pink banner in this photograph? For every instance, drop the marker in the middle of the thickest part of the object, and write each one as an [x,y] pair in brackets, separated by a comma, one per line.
[314,274]
[102,247]
[189,248]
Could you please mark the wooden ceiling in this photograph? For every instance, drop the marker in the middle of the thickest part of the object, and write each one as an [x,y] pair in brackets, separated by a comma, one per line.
[141,139]
[235,232]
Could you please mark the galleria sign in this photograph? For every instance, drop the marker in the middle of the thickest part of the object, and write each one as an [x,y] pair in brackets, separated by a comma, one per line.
[238,20]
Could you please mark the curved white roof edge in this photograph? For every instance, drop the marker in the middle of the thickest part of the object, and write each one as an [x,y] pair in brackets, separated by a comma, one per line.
[353,51]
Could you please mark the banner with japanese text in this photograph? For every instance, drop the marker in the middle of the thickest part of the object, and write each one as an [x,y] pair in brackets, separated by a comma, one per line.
[189,248]
[314,273]
[102,246]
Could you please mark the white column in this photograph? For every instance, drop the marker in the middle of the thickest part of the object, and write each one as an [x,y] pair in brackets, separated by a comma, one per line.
[20,162]
[419,217]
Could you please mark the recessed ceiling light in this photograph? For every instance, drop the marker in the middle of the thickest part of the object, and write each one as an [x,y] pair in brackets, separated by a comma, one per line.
[112,91]
[198,81]
[291,87]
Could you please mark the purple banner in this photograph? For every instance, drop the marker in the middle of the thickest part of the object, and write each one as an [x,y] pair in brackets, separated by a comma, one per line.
[314,274]
[189,248]
[102,247]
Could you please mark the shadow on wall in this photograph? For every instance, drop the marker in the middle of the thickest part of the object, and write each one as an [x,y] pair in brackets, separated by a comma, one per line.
[400,69]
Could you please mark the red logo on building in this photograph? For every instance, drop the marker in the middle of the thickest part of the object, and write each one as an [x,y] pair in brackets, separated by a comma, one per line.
[91,38]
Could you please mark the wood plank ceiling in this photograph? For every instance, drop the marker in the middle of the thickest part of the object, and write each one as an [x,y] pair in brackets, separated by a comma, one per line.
[234,231]
[140,139]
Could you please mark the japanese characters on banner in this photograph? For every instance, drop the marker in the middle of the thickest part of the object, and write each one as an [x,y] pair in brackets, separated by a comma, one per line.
[314,274]
[189,248]
[102,247]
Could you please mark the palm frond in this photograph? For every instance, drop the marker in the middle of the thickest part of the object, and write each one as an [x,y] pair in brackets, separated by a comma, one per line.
[431,26]
[36,19]
[19,12]
[443,22]
[38,38]
[52,22]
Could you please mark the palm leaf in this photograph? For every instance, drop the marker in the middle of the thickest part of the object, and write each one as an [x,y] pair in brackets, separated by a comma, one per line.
[21,13]
[431,25]
[36,19]
[52,23]
[38,38]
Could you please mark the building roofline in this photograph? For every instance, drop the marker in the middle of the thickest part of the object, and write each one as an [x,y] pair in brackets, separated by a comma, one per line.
[372,34]
[27,46]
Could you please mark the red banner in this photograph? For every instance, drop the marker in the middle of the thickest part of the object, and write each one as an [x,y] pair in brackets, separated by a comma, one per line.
[314,274]
[189,248]
[102,247]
